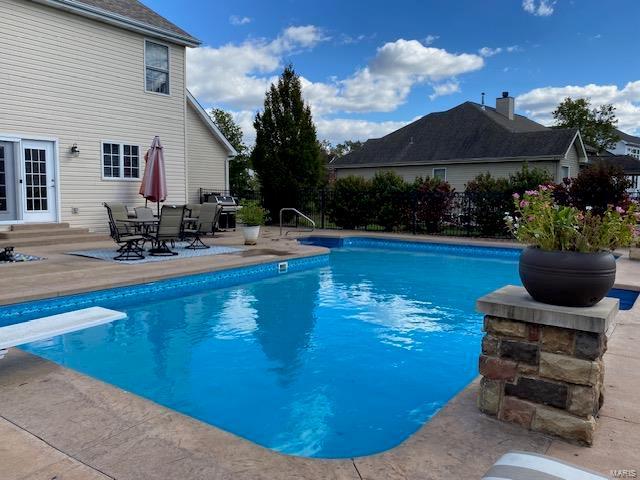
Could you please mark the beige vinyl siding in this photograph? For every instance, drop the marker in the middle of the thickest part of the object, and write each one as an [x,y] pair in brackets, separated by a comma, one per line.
[82,81]
[207,157]
[457,174]
[572,161]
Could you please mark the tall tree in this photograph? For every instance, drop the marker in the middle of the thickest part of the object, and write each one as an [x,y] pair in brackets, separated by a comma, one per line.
[597,125]
[239,179]
[286,155]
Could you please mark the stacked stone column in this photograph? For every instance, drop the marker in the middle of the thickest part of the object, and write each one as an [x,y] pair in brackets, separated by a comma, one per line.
[541,365]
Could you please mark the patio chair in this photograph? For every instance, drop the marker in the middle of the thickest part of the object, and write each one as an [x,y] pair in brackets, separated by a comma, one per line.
[169,230]
[129,243]
[145,214]
[526,466]
[193,209]
[209,215]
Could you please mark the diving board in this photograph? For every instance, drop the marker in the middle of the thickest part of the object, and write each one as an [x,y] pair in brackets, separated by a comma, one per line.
[48,327]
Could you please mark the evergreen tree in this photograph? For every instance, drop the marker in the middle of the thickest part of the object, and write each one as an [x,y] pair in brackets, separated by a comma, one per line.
[239,179]
[286,155]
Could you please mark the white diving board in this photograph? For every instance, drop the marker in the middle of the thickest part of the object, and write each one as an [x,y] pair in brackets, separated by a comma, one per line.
[48,327]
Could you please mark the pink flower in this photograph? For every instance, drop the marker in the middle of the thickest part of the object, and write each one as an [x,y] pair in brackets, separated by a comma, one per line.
[530,218]
[516,195]
[620,210]
[524,203]
[580,216]
[533,193]
[544,188]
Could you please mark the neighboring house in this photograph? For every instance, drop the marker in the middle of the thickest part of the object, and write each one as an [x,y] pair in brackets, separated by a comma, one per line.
[470,139]
[627,145]
[86,85]
[629,164]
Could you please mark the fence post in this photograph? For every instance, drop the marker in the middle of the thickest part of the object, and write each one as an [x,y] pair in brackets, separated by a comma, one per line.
[322,203]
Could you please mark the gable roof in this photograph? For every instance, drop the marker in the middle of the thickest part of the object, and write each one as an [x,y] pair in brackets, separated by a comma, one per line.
[128,14]
[630,165]
[206,118]
[464,133]
[627,138]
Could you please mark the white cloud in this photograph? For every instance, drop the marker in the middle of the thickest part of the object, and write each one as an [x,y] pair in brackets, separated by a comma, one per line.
[540,8]
[237,76]
[540,102]
[489,52]
[430,39]
[237,20]
[446,88]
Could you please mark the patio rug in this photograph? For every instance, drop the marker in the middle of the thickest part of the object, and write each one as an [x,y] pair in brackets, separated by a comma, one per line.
[22,257]
[107,254]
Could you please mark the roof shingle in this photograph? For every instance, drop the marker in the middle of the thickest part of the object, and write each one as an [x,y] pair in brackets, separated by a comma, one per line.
[132,10]
[465,132]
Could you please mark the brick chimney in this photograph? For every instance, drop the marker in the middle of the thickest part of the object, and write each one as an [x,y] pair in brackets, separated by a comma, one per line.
[505,105]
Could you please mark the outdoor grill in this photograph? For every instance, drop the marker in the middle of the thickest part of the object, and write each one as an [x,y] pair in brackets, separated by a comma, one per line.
[229,209]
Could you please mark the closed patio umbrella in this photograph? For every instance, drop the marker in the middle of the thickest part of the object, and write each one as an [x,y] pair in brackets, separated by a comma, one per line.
[154,181]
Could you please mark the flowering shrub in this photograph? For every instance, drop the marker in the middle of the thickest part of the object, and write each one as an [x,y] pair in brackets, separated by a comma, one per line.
[540,222]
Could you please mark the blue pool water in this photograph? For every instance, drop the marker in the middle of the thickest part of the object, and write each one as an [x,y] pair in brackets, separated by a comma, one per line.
[347,357]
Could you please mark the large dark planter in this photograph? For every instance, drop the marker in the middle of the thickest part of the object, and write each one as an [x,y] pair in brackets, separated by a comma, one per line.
[570,279]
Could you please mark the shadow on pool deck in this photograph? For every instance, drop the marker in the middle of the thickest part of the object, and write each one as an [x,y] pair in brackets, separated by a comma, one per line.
[58,423]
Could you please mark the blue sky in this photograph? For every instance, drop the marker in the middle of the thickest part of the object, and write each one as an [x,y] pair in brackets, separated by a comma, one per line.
[370,67]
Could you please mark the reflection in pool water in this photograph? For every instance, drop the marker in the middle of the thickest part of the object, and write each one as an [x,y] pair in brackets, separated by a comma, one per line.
[338,361]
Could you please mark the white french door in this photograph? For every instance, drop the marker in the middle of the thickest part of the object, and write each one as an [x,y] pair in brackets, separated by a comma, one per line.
[8,209]
[38,181]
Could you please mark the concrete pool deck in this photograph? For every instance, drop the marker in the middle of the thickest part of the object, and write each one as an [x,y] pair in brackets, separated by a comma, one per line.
[55,422]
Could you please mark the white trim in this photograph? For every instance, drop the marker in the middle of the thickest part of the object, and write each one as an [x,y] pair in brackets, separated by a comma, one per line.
[210,123]
[581,143]
[144,64]
[121,21]
[433,172]
[121,178]
[56,181]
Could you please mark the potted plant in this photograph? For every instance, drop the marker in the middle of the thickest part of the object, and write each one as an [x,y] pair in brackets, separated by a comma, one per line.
[568,261]
[252,216]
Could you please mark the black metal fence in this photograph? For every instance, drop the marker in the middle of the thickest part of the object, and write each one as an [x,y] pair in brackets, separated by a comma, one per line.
[434,213]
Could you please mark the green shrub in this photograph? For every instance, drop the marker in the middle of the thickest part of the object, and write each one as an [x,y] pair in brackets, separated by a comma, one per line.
[252,214]
[349,205]
[528,179]
[489,199]
[597,187]
[389,192]
[433,200]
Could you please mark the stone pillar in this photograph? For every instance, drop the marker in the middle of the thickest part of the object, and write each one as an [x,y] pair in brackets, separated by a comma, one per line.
[541,365]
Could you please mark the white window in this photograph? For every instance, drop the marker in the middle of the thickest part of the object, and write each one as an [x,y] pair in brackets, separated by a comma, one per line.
[120,161]
[440,173]
[156,67]
[565,172]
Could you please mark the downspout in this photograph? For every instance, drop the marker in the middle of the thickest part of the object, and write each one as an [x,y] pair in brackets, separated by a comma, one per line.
[184,116]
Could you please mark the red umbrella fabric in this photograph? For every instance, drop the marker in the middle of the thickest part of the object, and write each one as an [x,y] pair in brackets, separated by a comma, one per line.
[154,181]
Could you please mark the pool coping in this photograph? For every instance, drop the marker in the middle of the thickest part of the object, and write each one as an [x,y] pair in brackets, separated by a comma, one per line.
[429,449]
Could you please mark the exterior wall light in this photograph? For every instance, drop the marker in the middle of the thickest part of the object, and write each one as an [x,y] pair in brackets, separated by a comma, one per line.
[74,150]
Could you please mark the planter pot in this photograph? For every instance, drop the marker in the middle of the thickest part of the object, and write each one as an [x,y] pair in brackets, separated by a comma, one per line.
[569,279]
[634,253]
[251,234]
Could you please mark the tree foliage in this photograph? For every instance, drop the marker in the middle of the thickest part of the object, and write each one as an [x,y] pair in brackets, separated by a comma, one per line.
[286,155]
[597,125]
[239,178]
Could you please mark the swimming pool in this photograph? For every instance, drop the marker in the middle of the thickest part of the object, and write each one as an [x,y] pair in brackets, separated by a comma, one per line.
[344,355]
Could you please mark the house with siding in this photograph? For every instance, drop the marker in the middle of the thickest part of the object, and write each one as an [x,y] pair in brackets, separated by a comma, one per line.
[459,144]
[86,85]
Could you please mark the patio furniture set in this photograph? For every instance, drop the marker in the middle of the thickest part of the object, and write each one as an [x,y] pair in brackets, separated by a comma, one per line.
[175,223]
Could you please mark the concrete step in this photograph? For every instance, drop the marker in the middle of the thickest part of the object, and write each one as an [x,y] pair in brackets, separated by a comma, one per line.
[33,233]
[38,226]
[52,240]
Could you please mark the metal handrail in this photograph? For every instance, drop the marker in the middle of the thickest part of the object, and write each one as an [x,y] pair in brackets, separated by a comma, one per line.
[299,214]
